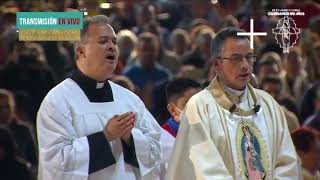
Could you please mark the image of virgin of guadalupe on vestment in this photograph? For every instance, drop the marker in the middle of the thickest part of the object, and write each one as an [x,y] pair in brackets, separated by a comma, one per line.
[252,152]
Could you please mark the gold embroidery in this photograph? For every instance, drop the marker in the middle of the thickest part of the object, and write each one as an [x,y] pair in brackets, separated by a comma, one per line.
[223,100]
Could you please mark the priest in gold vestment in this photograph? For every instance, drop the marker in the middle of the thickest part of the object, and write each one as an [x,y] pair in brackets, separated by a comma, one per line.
[231,130]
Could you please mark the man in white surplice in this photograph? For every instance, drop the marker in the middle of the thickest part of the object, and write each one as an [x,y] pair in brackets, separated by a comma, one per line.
[91,128]
[231,130]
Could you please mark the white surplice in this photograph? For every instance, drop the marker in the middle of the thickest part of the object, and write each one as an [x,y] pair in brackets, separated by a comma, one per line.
[65,119]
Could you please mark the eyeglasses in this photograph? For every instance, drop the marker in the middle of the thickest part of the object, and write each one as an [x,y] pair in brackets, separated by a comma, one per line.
[237,58]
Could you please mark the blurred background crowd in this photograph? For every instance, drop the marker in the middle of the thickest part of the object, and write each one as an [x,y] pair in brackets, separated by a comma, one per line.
[159,40]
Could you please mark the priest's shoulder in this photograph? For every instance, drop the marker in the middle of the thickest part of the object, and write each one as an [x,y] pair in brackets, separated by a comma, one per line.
[123,92]
[63,89]
[202,97]
[264,96]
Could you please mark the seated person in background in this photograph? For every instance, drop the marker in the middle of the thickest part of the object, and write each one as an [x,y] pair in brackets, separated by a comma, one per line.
[307,106]
[127,42]
[307,144]
[269,64]
[146,71]
[20,130]
[178,91]
[295,79]
[11,166]
[272,85]
[180,42]
[314,120]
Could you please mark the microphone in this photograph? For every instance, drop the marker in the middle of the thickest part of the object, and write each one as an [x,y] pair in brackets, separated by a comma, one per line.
[233,108]
[256,108]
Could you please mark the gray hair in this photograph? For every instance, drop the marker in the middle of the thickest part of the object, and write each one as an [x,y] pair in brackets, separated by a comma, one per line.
[99,19]
[270,58]
[127,36]
[204,34]
[218,41]
[180,34]
[10,96]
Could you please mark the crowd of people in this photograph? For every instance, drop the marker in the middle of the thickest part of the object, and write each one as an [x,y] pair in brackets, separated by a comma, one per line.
[111,92]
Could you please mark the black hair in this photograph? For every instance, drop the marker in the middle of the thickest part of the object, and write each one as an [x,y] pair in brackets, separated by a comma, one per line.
[304,138]
[218,41]
[176,87]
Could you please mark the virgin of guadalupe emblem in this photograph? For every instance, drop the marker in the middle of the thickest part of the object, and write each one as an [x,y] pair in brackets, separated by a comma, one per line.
[286,33]
[252,152]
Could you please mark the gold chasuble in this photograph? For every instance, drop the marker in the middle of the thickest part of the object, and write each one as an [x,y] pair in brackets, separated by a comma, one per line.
[221,137]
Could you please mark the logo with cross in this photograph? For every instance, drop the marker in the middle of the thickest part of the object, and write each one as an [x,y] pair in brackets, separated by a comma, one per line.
[286,33]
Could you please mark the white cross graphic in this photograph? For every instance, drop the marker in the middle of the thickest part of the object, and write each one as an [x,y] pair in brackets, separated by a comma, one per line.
[251,33]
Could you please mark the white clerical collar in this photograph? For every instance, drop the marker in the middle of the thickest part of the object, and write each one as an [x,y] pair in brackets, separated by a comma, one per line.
[100,85]
[234,92]
[241,95]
